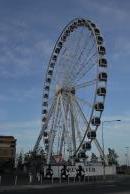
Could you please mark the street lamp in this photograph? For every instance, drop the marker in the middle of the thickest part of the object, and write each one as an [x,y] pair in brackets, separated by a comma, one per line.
[109,121]
[127,157]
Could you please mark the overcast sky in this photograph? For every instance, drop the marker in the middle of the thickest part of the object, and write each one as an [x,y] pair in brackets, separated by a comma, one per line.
[28,31]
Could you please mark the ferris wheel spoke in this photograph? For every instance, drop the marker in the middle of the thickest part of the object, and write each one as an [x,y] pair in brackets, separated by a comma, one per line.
[86,44]
[91,65]
[85,102]
[81,73]
[78,41]
[81,53]
[85,84]
[76,65]
[63,57]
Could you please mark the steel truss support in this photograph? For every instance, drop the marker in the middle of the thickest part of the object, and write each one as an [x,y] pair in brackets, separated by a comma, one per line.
[100,151]
[65,129]
[95,140]
[52,132]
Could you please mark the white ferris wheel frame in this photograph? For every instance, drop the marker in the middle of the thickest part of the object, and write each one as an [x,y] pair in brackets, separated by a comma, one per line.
[58,99]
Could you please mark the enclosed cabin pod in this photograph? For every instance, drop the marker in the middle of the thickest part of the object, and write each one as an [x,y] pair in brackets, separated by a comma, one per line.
[44,119]
[86,146]
[57,50]
[52,65]
[99,40]
[101,91]
[44,111]
[99,106]
[101,50]
[75,24]
[71,28]
[45,104]
[102,76]
[60,44]
[46,88]
[81,155]
[45,134]
[95,121]
[67,32]
[91,134]
[46,141]
[45,96]
[97,31]
[81,22]
[50,72]
[92,24]
[48,80]
[54,58]
[102,62]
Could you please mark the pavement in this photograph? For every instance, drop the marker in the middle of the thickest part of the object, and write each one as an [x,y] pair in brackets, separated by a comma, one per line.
[119,186]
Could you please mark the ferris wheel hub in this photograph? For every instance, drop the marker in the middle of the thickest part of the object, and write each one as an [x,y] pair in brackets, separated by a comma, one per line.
[69,90]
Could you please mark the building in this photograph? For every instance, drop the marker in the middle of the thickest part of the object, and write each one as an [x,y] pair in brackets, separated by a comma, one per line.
[7,151]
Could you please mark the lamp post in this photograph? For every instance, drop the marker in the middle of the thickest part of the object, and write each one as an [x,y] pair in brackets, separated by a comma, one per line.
[127,155]
[109,121]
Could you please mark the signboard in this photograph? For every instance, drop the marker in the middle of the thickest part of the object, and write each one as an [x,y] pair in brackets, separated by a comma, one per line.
[89,170]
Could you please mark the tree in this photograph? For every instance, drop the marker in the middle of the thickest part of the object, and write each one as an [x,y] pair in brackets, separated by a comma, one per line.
[19,161]
[112,157]
[34,160]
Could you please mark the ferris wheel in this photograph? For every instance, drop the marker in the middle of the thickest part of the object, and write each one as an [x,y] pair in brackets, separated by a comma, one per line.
[74,92]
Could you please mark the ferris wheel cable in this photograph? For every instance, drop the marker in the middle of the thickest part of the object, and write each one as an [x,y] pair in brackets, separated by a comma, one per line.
[90,67]
[89,59]
[77,60]
[85,84]
[61,59]
[65,48]
[85,102]
[86,44]
[79,40]
[80,54]
[85,72]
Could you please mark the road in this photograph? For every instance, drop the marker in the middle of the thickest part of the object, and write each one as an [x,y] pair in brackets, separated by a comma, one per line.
[122,186]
